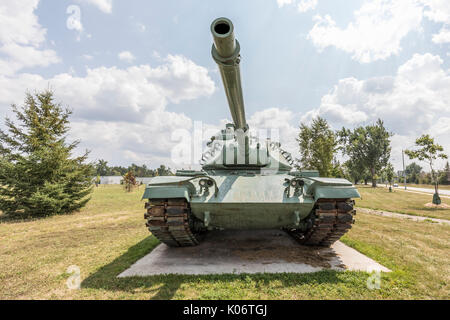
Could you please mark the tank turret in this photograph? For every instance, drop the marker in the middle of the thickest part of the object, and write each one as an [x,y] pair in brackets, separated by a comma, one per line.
[235,147]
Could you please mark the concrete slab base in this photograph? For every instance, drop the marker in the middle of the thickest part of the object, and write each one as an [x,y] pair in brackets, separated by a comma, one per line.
[250,251]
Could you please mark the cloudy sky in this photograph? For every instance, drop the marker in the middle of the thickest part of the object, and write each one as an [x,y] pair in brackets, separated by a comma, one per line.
[134,72]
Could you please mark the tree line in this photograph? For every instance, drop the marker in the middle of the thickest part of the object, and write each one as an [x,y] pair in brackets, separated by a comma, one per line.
[102,169]
[367,150]
[415,174]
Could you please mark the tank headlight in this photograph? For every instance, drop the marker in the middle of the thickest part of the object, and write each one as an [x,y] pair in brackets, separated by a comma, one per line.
[297,183]
[206,183]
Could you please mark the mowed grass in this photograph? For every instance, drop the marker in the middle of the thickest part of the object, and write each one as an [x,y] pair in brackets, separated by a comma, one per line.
[401,201]
[109,235]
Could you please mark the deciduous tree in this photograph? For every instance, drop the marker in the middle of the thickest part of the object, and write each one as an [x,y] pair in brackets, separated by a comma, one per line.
[129,181]
[429,152]
[367,146]
[317,144]
[389,173]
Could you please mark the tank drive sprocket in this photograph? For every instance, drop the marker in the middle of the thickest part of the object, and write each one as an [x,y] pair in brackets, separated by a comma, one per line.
[329,221]
[171,222]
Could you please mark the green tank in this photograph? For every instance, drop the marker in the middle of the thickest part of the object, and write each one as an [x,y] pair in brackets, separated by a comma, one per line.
[245,183]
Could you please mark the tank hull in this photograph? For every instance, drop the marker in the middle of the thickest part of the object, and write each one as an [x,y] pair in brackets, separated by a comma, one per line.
[250,200]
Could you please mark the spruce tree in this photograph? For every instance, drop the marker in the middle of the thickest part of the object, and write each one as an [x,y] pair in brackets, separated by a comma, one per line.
[38,174]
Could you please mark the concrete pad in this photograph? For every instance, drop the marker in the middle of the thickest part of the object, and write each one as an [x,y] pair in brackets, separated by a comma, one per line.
[255,251]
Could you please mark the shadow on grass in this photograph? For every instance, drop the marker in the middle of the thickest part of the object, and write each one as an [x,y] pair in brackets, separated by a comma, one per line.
[166,286]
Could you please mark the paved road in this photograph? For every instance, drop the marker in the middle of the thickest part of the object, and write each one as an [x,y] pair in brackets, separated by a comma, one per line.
[426,190]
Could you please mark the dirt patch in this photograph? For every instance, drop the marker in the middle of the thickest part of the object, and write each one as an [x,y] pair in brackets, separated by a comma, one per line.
[440,206]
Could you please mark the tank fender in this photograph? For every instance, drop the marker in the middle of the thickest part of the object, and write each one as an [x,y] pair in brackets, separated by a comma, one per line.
[164,187]
[332,188]
[165,192]
[335,192]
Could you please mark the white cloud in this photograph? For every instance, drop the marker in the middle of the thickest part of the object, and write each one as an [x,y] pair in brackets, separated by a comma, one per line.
[126,56]
[415,101]
[121,142]
[282,120]
[19,24]
[282,3]
[121,113]
[118,94]
[306,5]
[104,5]
[22,38]
[379,26]
[375,34]
[439,12]
[302,5]
[443,36]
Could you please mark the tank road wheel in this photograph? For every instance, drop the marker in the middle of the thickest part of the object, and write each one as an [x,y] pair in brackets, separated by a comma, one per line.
[171,222]
[328,222]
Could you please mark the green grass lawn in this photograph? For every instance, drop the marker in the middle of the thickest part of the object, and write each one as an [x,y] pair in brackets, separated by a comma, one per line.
[109,235]
[400,201]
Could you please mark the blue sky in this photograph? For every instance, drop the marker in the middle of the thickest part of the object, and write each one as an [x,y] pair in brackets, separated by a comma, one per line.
[136,71]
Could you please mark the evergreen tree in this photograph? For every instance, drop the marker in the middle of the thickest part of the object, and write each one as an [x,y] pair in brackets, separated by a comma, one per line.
[38,175]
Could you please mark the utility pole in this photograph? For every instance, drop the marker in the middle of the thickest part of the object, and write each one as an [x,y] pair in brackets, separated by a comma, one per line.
[404,172]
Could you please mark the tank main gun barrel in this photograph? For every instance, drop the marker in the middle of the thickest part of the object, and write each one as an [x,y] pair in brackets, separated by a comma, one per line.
[225,51]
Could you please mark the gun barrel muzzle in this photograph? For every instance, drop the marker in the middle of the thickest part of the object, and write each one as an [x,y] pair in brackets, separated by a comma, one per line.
[225,52]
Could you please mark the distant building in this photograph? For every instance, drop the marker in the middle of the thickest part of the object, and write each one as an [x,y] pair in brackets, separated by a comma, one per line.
[117,179]
[110,179]
[144,180]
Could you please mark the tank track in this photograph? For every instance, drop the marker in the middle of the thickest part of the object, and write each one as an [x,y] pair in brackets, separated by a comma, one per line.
[330,220]
[170,221]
